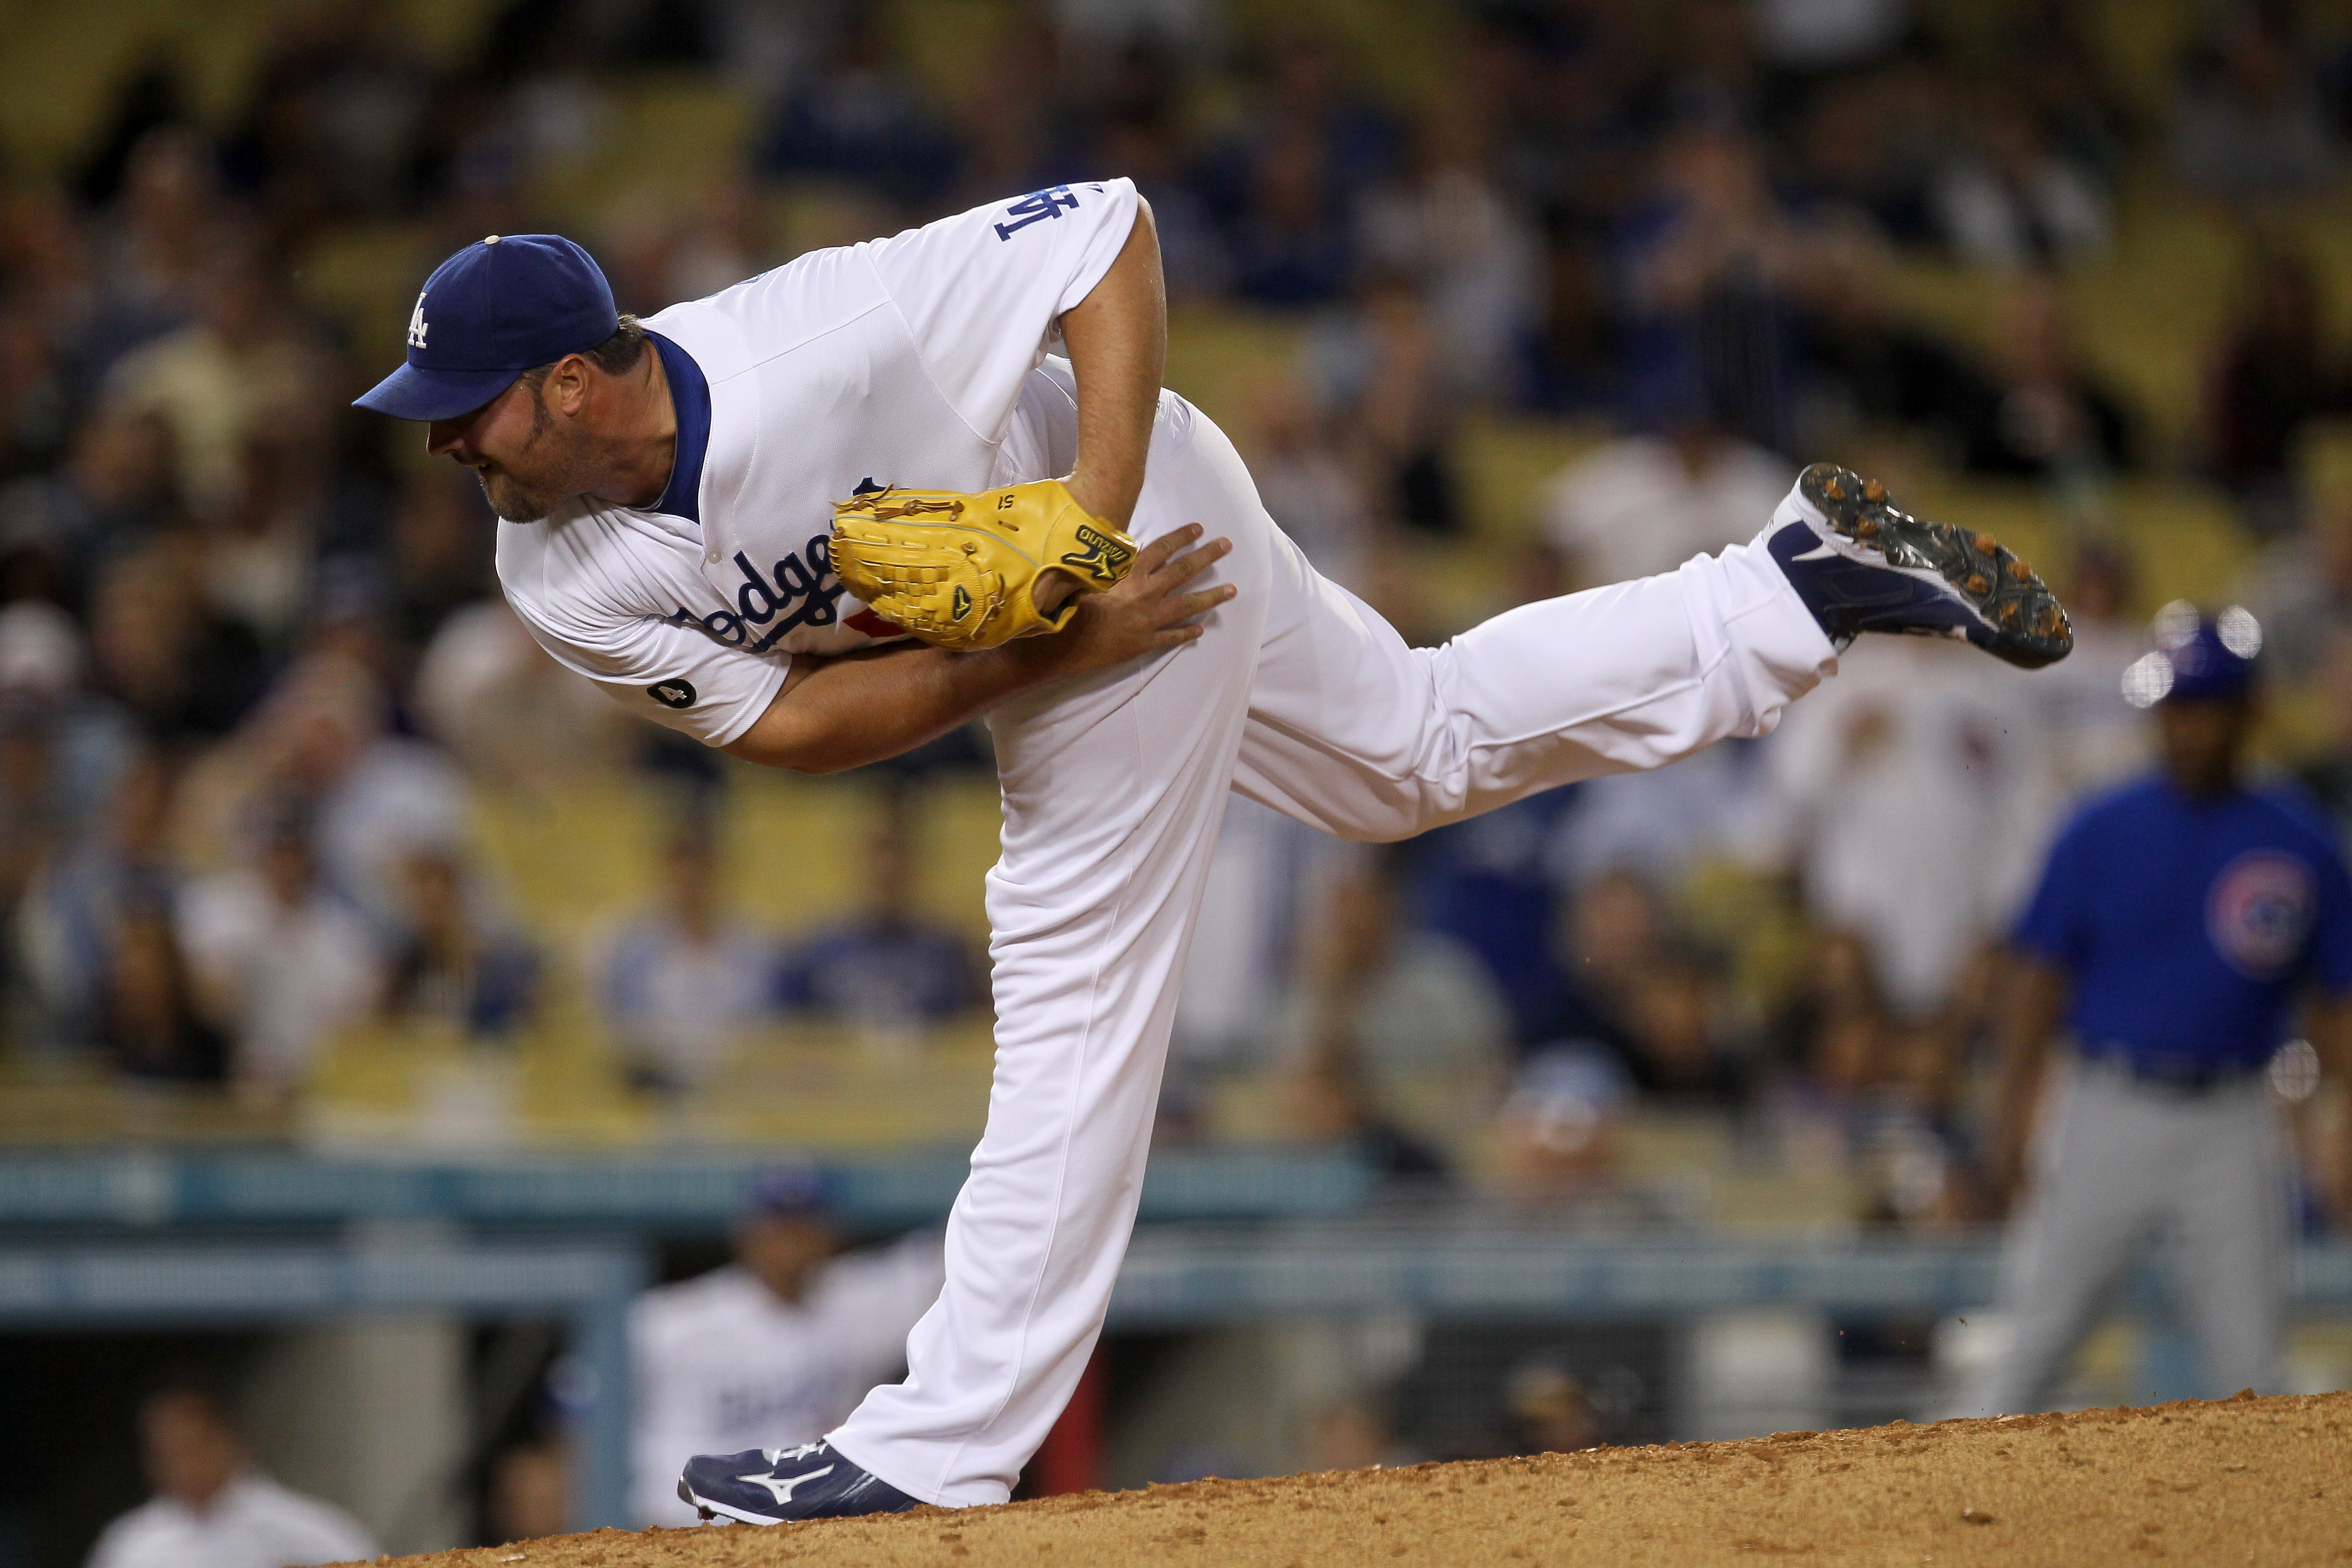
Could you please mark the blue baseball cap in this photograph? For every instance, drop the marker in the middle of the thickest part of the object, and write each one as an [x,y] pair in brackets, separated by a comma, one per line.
[2196,658]
[793,1192]
[497,309]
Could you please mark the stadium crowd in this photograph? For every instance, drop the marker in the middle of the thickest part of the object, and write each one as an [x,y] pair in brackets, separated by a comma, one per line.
[253,666]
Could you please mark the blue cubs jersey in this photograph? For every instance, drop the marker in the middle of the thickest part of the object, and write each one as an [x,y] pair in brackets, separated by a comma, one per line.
[2188,927]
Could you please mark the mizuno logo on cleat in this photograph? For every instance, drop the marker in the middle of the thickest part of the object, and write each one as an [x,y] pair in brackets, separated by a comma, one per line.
[786,1486]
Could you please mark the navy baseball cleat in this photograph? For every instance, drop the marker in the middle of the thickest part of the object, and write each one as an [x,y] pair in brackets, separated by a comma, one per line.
[777,1486]
[1862,565]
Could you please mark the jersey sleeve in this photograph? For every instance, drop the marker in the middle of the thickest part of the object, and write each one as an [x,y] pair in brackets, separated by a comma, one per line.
[980,291]
[2055,925]
[678,672]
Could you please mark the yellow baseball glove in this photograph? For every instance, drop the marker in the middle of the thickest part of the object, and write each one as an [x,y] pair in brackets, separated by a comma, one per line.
[958,570]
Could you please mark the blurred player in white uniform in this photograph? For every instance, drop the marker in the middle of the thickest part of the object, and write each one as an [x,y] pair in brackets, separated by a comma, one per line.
[212,1509]
[774,1348]
[669,507]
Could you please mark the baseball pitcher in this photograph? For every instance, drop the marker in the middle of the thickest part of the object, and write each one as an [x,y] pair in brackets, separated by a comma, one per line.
[824,515]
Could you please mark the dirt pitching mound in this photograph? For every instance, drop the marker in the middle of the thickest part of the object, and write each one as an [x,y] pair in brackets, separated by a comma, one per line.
[2263,1483]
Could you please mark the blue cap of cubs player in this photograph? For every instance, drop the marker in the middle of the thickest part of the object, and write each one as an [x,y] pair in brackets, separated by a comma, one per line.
[498,308]
[2197,658]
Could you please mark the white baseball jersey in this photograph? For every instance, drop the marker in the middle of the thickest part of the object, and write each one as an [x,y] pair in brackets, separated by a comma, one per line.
[722,1364]
[254,1522]
[898,361]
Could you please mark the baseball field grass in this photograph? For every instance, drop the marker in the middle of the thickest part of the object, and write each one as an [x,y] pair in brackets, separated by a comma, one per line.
[2262,1482]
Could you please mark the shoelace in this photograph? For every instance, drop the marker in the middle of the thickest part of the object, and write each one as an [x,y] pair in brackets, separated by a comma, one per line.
[778,1456]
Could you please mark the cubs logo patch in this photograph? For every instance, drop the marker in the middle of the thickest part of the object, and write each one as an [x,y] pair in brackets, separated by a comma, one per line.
[1103,558]
[2259,912]
[672,693]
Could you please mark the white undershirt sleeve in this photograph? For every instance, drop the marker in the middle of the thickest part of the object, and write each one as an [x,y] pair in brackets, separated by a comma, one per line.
[981,291]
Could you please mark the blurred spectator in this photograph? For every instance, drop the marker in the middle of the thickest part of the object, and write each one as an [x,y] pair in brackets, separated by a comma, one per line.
[1024,141]
[331,128]
[1399,1038]
[1915,769]
[2012,199]
[278,961]
[2095,737]
[2052,420]
[242,367]
[117,489]
[1445,223]
[1645,504]
[1285,193]
[1491,884]
[61,748]
[212,1509]
[151,1025]
[1308,484]
[509,714]
[2073,85]
[2271,373]
[774,1349]
[1870,367]
[1144,143]
[2249,125]
[1288,239]
[256,549]
[67,923]
[152,243]
[322,738]
[46,261]
[183,672]
[889,971]
[1666,824]
[1712,72]
[1566,359]
[2300,591]
[684,983]
[855,118]
[1822,35]
[1646,992]
[1266,870]
[1710,269]
[35,414]
[455,964]
[1379,372]
[1867,150]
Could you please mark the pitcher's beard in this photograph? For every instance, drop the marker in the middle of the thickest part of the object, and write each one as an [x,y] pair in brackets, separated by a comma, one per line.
[510,500]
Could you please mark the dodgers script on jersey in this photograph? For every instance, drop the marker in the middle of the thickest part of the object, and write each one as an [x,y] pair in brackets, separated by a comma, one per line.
[898,361]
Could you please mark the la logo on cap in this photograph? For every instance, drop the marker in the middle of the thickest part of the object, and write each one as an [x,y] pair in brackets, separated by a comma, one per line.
[416,324]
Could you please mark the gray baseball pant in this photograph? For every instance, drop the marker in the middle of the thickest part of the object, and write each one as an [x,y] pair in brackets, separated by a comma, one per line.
[2120,1163]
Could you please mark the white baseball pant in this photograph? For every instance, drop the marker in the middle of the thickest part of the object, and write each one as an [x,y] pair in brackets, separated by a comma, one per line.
[1302,698]
[2121,1163]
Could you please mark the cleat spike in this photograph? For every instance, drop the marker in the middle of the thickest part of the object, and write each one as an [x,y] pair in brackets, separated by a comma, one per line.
[1980,584]
[1867,528]
[1871,490]
[1834,490]
[2019,572]
[1986,543]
